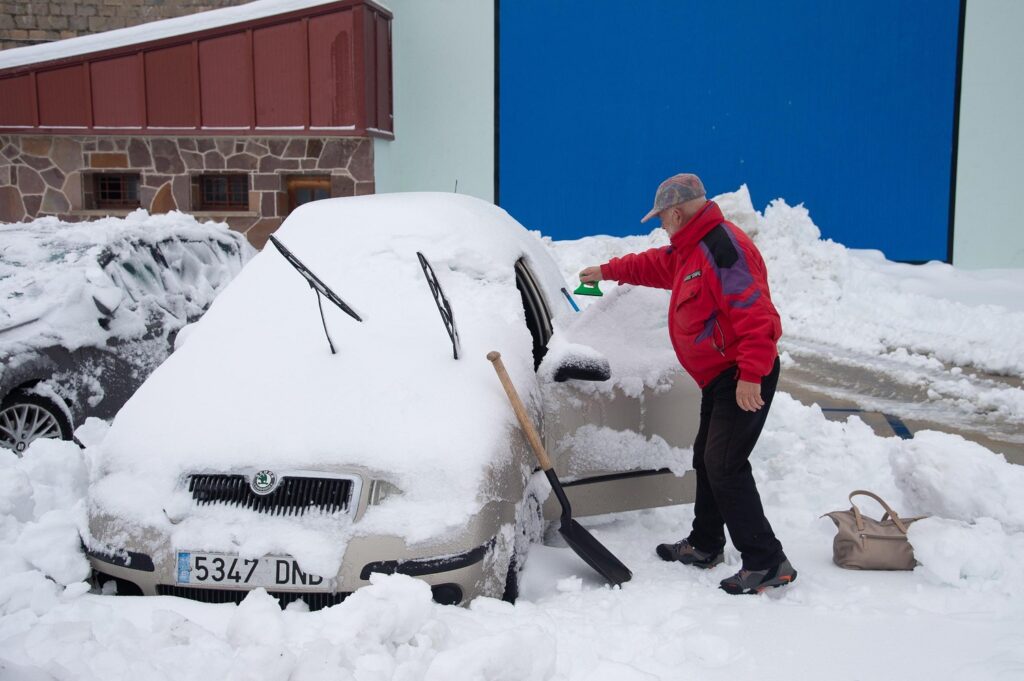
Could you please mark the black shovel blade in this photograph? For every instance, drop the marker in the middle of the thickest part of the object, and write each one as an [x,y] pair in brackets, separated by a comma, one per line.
[594,552]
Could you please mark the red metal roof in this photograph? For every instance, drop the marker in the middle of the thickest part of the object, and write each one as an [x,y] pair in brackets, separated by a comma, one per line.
[322,70]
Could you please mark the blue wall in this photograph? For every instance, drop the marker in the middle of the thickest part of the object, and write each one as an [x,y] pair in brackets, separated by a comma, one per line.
[846,106]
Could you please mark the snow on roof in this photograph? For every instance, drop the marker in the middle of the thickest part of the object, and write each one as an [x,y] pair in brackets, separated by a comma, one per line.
[255,384]
[154,30]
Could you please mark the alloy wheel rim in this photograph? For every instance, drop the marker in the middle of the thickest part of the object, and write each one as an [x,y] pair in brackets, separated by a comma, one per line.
[20,424]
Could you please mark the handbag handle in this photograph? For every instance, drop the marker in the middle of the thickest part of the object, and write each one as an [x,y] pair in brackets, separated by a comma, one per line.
[888,511]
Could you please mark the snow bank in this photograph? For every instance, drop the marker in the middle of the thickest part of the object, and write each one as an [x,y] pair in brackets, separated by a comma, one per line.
[948,476]
[42,510]
[910,321]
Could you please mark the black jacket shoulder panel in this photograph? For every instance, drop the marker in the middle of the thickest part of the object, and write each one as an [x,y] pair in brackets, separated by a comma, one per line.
[720,246]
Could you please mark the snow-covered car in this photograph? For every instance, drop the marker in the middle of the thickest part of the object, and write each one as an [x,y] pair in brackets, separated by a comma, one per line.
[302,447]
[88,310]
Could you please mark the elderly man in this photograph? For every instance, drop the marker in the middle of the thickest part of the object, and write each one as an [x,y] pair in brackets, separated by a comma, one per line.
[724,329]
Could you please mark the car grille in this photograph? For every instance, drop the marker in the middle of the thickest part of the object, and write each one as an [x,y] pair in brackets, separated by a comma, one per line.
[293,496]
[316,600]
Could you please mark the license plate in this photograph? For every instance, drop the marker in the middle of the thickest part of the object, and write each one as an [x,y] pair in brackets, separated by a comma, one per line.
[272,572]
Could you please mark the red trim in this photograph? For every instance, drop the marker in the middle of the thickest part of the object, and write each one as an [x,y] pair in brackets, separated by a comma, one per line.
[371,90]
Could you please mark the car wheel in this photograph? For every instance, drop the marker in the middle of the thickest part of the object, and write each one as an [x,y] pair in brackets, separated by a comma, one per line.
[25,417]
[529,530]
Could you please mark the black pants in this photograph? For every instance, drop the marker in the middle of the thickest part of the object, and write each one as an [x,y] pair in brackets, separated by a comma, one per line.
[726,493]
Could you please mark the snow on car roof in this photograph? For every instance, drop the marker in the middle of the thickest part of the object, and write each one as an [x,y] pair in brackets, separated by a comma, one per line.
[255,385]
[50,271]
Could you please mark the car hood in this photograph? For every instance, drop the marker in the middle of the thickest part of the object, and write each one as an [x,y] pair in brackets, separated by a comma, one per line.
[255,383]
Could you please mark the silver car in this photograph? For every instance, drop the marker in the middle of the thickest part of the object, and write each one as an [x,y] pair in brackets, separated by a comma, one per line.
[333,415]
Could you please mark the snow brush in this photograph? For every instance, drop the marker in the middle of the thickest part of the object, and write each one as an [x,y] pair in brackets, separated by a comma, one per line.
[588,289]
[575,535]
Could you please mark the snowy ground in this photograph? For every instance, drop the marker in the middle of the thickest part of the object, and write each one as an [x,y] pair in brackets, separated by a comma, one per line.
[959,615]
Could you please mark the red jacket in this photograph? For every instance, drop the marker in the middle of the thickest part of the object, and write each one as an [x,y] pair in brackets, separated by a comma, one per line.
[721,312]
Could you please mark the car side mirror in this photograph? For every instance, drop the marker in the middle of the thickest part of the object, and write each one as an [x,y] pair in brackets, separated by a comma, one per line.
[582,369]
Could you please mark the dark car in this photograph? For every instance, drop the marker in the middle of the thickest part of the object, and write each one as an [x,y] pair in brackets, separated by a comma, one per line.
[88,310]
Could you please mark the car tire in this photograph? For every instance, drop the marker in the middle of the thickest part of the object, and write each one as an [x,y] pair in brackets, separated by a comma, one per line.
[47,420]
[529,529]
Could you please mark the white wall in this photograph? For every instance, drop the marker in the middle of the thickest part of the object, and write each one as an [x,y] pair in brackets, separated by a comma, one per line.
[443,62]
[989,222]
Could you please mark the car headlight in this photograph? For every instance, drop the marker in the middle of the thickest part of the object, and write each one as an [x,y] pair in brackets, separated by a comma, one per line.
[381,490]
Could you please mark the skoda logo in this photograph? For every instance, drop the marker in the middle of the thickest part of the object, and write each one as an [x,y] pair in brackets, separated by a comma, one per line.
[264,482]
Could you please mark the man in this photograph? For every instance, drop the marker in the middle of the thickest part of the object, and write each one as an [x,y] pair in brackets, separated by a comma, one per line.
[724,329]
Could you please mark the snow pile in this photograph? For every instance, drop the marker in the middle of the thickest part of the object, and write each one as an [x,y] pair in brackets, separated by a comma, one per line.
[954,612]
[947,476]
[856,299]
[56,277]
[828,293]
[42,510]
[910,322]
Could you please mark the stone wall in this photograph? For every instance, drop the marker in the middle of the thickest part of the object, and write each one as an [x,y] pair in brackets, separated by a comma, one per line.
[27,23]
[48,175]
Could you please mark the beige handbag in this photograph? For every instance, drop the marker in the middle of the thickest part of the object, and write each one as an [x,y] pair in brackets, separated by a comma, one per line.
[863,543]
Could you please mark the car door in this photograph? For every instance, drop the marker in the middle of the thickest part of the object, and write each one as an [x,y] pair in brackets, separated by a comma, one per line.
[571,405]
[630,423]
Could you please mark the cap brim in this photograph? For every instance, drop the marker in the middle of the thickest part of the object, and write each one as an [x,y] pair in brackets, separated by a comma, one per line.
[654,211]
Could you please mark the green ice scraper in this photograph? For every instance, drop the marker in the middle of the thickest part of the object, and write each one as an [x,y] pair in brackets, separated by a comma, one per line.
[588,289]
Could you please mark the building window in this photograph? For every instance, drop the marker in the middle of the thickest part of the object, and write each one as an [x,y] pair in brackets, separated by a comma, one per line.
[305,189]
[221,192]
[117,191]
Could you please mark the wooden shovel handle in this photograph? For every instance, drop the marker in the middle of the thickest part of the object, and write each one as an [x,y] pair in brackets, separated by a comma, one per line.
[517,406]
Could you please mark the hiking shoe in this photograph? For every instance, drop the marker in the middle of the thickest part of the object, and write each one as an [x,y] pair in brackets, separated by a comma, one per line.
[756,581]
[687,554]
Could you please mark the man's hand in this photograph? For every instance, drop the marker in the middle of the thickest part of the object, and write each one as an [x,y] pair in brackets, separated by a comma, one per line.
[748,395]
[590,275]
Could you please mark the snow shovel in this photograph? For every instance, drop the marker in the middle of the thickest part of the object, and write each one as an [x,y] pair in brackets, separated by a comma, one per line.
[576,536]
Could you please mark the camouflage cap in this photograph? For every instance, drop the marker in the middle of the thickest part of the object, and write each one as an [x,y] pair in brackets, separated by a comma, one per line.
[675,190]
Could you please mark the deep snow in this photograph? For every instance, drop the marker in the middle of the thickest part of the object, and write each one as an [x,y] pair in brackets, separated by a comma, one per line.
[959,615]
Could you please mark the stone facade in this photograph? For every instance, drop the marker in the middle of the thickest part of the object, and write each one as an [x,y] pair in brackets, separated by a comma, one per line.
[28,22]
[51,175]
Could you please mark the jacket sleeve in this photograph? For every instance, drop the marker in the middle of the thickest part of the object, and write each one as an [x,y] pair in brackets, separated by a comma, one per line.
[655,268]
[741,292]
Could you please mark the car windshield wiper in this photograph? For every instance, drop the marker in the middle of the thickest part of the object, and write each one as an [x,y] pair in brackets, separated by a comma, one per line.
[317,285]
[442,304]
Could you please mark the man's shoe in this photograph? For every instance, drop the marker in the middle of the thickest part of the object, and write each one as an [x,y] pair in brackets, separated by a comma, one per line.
[757,581]
[685,553]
